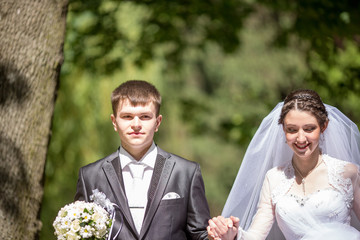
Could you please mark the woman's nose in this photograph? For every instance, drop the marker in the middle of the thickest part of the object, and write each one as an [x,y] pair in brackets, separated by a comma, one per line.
[301,137]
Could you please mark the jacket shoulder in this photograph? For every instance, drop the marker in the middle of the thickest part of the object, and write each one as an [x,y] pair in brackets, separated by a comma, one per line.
[178,159]
[100,162]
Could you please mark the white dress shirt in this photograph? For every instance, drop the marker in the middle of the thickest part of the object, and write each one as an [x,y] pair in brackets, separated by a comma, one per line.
[137,199]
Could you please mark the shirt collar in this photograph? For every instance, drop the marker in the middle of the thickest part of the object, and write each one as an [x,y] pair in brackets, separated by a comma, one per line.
[148,159]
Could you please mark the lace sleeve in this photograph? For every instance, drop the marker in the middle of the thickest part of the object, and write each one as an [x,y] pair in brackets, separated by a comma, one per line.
[340,177]
[356,187]
[264,217]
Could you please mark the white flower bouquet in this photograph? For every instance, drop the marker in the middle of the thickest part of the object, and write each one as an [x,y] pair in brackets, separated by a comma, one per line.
[83,220]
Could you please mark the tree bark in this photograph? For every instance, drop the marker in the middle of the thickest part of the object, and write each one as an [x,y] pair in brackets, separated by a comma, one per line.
[31,53]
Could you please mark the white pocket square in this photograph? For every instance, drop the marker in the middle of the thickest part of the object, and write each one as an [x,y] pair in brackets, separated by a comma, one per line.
[171,195]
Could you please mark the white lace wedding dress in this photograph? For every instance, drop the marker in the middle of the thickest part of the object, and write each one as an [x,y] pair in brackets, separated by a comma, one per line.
[322,214]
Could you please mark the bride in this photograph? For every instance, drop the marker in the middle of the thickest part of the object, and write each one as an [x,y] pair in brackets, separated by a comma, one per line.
[300,174]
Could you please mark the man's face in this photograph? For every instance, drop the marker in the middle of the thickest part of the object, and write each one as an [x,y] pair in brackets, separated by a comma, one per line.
[136,126]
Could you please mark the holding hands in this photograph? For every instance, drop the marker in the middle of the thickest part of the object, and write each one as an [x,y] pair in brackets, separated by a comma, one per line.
[221,228]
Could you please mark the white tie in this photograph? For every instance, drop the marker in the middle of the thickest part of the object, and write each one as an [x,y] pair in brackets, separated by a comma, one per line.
[137,197]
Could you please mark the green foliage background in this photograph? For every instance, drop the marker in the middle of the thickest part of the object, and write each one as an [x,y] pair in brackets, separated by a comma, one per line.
[221,67]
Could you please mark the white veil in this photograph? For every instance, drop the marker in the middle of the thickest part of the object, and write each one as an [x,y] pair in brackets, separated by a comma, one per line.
[268,149]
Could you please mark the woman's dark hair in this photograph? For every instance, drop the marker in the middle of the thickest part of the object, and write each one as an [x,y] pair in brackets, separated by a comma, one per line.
[305,100]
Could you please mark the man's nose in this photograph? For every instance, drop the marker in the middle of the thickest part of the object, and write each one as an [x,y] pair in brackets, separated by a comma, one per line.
[136,123]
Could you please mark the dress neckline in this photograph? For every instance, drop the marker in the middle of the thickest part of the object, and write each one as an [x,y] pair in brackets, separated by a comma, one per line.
[293,180]
[301,200]
[335,168]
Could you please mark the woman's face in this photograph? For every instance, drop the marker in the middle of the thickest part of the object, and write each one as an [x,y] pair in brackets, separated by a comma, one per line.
[302,132]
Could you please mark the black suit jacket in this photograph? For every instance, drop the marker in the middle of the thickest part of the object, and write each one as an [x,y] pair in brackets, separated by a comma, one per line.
[182,218]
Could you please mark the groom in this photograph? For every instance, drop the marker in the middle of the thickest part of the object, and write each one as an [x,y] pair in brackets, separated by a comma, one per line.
[159,195]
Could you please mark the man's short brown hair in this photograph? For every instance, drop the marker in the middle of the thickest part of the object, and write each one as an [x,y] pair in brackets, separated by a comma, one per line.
[137,92]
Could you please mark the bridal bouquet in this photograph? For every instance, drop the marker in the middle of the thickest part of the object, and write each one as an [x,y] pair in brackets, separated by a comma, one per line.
[83,220]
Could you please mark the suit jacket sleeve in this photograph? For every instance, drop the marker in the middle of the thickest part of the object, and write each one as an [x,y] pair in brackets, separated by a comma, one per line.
[198,209]
[81,193]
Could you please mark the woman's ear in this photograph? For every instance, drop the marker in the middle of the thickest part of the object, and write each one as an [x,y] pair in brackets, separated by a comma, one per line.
[325,126]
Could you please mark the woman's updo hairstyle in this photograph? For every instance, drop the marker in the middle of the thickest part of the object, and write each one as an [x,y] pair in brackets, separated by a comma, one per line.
[305,100]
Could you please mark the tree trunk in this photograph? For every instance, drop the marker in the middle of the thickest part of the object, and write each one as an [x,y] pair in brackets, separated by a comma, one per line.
[31,53]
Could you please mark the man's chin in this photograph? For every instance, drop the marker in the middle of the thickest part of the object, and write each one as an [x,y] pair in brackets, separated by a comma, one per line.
[139,144]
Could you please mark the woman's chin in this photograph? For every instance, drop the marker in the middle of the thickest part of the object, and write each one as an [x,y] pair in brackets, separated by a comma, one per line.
[302,152]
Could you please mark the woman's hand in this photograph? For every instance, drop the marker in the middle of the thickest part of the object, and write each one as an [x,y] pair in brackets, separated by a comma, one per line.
[221,228]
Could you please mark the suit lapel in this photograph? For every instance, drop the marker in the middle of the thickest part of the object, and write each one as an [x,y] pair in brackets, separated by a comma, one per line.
[161,175]
[159,165]
[113,173]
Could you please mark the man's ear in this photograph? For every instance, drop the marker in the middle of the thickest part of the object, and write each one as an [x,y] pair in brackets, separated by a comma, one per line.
[113,120]
[158,122]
